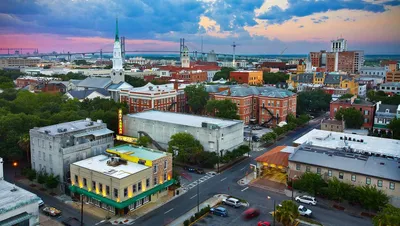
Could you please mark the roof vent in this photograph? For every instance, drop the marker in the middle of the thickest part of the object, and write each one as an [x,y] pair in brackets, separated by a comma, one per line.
[382,163]
[14,189]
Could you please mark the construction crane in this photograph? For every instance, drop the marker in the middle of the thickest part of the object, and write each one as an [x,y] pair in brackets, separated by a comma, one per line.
[283,51]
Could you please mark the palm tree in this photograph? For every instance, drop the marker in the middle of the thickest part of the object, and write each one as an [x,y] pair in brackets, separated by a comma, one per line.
[287,213]
[389,216]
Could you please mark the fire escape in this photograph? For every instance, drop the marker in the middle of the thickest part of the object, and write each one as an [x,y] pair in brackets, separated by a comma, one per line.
[271,118]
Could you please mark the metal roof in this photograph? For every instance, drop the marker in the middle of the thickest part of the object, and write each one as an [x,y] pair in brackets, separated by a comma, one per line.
[95,82]
[82,94]
[74,126]
[13,197]
[382,108]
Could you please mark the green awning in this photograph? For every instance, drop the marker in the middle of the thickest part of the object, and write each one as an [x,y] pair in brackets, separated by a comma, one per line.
[16,219]
[121,205]
[380,126]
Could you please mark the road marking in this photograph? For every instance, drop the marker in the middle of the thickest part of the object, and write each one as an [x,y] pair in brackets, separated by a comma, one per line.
[242,168]
[244,189]
[169,211]
[100,222]
[193,196]
[223,179]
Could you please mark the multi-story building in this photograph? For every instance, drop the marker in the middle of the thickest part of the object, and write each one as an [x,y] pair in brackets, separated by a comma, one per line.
[131,178]
[366,108]
[18,206]
[393,76]
[384,114]
[23,81]
[346,61]
[214,134]
[19,62]
[362,90]
[211,56]
[371,81]
[332,125]
[379,71]
[391,64]
[167,97]
[55,147]
[323,59]
[356,168]
[339,45]
[390,87]
[247,77]
[266,105]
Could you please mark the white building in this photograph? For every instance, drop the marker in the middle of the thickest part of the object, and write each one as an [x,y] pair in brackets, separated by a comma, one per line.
[378,71]
[210,75]
[117,71]
[211,56]
[390,87]
[185,58]
[362,90]
[55,147]
[339,45]
[358,60]
[213,133]
[138,60]
[17,206]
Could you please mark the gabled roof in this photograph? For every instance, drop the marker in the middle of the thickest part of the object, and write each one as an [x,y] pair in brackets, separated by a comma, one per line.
[275,156]
[121,85]
[382,108]
[95,82]
[82,94]
[242,91]
[304,77]
[333,78]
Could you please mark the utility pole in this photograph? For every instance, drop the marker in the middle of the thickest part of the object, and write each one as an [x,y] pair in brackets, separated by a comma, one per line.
[218,148]
[198,199]
[81,210]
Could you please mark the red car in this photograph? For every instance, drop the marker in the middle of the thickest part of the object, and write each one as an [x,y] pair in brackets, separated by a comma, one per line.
[251,213]
[263,223]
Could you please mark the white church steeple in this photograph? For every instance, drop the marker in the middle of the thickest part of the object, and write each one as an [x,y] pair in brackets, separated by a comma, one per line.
[185,58]
[117,71]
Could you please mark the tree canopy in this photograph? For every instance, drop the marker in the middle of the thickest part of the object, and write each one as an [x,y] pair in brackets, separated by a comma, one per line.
[223,73]
[222,109]
[197,97]
[313,101]
[376,96]
[353,118]
[394,125]
[389,215]
[346,96]
[135,82]
[287,213]
[273,78]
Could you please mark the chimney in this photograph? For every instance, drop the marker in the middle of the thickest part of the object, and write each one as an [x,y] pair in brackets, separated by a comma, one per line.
[176,85]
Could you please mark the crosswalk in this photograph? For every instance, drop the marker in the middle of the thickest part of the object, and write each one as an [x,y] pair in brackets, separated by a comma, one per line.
[200,180]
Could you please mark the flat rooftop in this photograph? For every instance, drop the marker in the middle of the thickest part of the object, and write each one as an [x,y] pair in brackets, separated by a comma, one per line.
[140,152]
[73,126]
[336,140]
[182,119]
[11,199]
[351,162]
[99,164]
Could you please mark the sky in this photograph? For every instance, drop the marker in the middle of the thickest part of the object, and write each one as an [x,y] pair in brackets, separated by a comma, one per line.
[256,26]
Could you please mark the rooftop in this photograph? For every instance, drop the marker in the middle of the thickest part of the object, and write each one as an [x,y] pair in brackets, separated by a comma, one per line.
[395,84]
[12,197]
[246,90]
[140,152]
[68,127]
[383,107]
[278,156]
[351,162]
[151,88]
[332,121]
[182,119]
[358,143]
[82,94]
[355,102]
[95,82]
[99,164]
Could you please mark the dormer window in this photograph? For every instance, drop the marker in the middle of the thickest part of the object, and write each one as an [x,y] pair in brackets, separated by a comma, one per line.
[387,111]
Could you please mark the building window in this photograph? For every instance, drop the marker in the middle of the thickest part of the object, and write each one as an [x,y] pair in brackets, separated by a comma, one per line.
[165,164]
[100,187]
[391,185]
[134,188]
[353,177]
[380,183]
[94,185]
[308,169]
[107,190]
[125,192]
[368,180]
[297,166]
[329,173]
[139,186]
[84,180]
[155,169]
[165,176]
[147,182]
[155,181]
[76,179]
[115,193]
[340,175]
[366,112]
[319,171]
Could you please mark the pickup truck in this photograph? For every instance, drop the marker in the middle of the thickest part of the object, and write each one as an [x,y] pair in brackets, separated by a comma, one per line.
[71,221]
[51,211]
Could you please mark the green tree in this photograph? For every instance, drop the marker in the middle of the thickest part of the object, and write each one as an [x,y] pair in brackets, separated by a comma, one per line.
[279,130]
[197,97]
[189,148]
[313,101]
[269,137]
[388,216]
[52,181]
[6,82]
[41,178]
[346,96]
[310,183]
[287,213]
[31,174]
[394,125]
[337,190]
[143,141]
[273,78]
[372,198]
[222,109]
[135,82]
[353,118]
[223,73]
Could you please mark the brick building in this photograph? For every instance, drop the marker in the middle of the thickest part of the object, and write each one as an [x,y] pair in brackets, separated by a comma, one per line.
[267,105]
[366,108]
[23,81]
[247,77]
[393,76]
[346,61]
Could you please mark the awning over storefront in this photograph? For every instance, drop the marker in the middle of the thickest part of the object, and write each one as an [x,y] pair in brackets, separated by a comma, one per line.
[15,220]
[275,158]
[121,205]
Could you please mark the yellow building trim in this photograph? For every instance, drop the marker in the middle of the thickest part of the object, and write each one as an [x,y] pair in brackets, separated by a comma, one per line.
[128,157]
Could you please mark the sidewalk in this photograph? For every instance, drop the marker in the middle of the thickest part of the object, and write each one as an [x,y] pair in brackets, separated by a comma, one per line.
[47,221]
[136,214]
[209,202]
[90,209]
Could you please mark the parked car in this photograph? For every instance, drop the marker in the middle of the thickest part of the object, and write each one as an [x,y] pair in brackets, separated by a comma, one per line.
[220,211]
[256,138]
[257,128]
[251,213]
[71,221]
[190,169]
[304,211]
[232,202]
[51,211]
[200,171]
[246,139]
[212,173]
[306,199]
[263,223]
[41,203]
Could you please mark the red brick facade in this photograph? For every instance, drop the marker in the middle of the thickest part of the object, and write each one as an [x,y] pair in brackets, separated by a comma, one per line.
[367,109]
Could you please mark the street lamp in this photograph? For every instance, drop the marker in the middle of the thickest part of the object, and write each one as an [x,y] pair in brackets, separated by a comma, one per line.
[293,180]
[217,132]
[252,120]
[81,210]
[269,198]
[198,199]
[15,165]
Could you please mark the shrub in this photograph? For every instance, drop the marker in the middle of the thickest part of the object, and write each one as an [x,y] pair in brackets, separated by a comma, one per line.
[31,174]
[197,215]
[192,219]
[186,223]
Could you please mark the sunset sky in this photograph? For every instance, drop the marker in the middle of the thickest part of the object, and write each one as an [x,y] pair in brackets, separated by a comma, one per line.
[257,26]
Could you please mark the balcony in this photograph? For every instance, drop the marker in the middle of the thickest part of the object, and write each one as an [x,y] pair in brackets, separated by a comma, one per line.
[79,147]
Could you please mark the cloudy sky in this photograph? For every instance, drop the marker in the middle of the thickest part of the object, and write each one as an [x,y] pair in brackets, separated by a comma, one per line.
[257,26]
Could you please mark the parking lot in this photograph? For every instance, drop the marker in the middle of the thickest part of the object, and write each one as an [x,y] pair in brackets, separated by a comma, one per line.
[234,218]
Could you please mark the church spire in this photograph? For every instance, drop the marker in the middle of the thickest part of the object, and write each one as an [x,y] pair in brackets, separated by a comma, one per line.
[116,31]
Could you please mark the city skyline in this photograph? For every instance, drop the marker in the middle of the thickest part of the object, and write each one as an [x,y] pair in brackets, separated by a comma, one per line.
[258,26]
